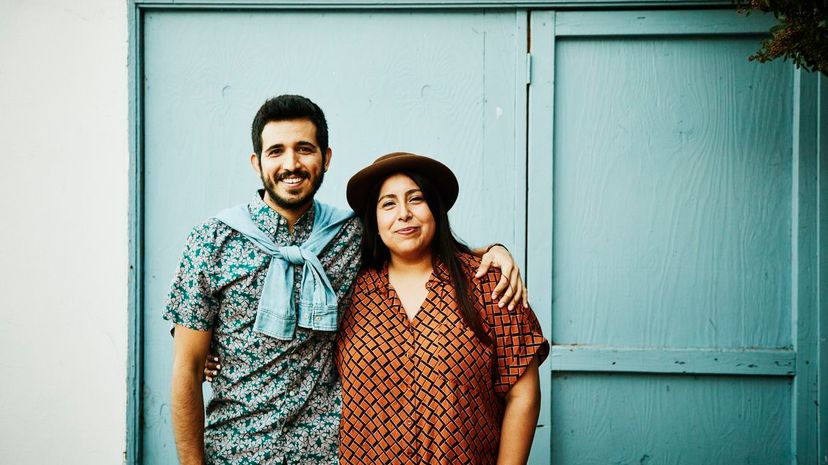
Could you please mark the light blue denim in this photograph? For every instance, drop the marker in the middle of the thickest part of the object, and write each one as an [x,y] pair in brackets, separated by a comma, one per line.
[276,316]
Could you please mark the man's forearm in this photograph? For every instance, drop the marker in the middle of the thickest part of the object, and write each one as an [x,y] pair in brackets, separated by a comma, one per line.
[188,415]
[480,251]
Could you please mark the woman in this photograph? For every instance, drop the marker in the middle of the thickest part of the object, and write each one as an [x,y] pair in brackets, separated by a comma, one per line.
[433,371]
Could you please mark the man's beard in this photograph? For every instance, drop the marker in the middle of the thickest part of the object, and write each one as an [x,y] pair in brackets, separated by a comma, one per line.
[293,203]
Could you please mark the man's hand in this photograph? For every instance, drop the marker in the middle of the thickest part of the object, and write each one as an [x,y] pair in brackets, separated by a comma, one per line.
[510,280]
[212,366]
[187,404]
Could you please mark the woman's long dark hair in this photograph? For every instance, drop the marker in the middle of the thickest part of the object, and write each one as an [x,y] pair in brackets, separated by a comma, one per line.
[443,246]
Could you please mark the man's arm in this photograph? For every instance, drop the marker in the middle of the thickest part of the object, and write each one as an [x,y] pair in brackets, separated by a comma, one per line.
[191,349]
[520,418]
[510,284]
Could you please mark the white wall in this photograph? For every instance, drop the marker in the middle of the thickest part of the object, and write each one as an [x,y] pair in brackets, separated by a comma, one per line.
[63,234]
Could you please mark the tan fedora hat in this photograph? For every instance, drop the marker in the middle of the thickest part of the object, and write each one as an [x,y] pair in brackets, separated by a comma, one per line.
[360,184]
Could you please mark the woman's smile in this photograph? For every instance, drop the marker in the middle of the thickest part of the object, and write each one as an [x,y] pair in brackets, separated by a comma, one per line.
[408,230]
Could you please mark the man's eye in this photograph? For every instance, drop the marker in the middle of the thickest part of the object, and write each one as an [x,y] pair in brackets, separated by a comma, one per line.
[305,150]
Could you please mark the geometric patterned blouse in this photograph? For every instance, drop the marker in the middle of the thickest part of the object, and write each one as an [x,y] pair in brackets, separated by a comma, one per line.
[428,391]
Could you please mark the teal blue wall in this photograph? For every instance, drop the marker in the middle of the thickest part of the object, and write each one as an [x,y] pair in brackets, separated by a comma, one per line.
[664,196]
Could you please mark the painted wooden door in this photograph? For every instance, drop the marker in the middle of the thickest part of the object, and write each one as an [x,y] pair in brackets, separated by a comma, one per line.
[451,85]
[672,232]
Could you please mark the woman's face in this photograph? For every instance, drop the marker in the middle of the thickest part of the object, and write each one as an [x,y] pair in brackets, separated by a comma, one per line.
[404,221]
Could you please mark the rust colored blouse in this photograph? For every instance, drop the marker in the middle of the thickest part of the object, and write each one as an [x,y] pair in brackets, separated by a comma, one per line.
[428,391]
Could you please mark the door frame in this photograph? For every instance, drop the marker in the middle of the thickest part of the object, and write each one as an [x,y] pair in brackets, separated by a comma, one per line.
[811,136]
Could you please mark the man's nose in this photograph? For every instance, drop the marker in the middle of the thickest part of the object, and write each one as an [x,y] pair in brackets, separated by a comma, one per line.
[290,160]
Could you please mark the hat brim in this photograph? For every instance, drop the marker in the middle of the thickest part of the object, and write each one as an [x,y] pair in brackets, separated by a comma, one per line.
[360,185]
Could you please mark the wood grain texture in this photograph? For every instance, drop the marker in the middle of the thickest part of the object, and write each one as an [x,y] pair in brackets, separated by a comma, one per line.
[822,319]
[672,195]
[539,204]
[804,300]
[670,420]
[673,211]
[671,23]
[668,360]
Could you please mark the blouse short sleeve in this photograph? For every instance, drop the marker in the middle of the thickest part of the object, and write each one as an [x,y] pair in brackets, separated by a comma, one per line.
[517,337]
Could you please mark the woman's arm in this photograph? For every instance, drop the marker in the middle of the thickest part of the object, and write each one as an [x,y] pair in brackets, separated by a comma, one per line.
[520,418]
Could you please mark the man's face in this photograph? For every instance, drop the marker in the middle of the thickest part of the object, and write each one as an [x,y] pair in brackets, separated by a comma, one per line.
[291,166]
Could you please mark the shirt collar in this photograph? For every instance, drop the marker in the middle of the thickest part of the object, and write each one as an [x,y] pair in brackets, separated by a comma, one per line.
[377,280]
[439,272]
[275,225]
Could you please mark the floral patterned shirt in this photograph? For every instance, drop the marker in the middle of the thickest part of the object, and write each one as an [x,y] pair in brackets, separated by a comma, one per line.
[274,401]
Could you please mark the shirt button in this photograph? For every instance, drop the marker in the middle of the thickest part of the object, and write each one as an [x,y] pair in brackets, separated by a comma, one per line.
[408,422]
[410,451]
[318,318]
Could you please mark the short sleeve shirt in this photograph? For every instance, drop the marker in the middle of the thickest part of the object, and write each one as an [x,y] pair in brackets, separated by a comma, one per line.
[274,401]
[428,391]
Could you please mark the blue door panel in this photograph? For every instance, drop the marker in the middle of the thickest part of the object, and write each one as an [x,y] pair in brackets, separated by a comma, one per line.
[673,218]
[436,83]
[635,419]
[671,170]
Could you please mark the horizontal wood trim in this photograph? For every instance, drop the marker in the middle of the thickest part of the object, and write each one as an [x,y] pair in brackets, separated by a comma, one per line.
[767,362]
[389,4]
[642,23]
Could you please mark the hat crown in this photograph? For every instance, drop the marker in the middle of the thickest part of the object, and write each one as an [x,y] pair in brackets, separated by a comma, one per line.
[396,162]
[395,155]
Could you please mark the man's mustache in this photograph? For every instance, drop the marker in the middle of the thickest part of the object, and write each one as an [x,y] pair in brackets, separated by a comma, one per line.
[297,173]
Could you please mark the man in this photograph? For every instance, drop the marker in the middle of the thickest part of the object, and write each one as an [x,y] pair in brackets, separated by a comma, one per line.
[261,286]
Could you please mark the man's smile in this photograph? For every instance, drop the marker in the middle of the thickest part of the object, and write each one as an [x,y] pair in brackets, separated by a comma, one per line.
[292,179]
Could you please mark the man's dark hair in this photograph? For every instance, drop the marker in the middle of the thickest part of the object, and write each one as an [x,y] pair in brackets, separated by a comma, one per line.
[444,246]
[288,107]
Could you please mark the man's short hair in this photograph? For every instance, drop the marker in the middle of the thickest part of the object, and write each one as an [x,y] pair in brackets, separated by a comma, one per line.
[289,107]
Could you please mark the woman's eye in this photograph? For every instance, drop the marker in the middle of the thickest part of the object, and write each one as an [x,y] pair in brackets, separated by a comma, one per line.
[416,199]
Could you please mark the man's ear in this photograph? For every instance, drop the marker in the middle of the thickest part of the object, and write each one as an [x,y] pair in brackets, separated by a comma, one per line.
[328,154]
[256,163]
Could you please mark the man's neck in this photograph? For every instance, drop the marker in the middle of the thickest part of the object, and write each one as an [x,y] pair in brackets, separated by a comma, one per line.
[290,215]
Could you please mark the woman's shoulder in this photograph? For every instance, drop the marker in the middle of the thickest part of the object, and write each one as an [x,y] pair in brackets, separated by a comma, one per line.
[484,285]
[369,279]
[469,261]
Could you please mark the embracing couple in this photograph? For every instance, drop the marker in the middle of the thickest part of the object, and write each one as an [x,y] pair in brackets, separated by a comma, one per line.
[365,337]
